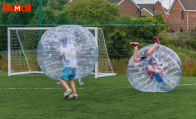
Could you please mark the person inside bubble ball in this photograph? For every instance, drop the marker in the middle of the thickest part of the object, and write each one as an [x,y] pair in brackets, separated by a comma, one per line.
[151,69]
[67,53]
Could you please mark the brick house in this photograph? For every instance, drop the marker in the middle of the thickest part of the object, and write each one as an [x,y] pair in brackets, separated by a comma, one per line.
[147,10]
[129,7]
[162,10]
[182,12]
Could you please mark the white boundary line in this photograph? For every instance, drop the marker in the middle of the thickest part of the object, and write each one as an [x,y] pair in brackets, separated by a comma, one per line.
[187,84]
[30,88]
[53,88]
[77,88]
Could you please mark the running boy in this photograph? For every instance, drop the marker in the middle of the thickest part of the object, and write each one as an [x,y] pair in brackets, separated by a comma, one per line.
[67,53]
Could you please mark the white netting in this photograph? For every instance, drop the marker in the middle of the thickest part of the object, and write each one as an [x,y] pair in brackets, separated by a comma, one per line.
[104,67]
[22,46]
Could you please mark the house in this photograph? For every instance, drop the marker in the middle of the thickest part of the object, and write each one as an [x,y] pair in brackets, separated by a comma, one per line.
[129,7]
[162,10]
[147,10]
[180,16]
[182,12]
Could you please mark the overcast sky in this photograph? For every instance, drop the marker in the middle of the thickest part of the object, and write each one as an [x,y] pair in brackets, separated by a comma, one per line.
[165,3]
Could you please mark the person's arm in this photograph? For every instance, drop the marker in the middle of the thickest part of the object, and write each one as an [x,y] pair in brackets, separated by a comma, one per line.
[60,52]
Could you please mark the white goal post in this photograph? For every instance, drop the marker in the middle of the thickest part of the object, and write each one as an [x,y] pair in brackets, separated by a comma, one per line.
[22,47]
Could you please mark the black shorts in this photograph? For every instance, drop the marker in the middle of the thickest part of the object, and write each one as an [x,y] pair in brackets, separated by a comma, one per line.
[142,58]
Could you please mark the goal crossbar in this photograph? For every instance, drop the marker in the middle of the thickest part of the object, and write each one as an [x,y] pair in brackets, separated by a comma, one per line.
[17,38]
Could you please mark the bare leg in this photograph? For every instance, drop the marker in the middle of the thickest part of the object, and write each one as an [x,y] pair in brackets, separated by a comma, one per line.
[64,83]
[80,82]
[72,85]
[151,50]
[135,52]
[135,55]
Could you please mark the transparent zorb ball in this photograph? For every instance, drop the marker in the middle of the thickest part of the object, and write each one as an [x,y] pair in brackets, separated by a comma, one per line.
[67,46]
[160,72]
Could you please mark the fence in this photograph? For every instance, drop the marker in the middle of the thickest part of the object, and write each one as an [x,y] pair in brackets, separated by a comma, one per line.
[118,30]
[118,37]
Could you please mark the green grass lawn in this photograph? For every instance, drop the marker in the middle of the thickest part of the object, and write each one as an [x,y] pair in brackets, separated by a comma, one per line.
[35,96]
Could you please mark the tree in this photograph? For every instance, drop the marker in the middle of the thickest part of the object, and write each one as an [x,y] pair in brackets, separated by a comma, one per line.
[159,20]
[57,4]
[18,18]
[3,38]
[92,11]
[118,44]
[52,13]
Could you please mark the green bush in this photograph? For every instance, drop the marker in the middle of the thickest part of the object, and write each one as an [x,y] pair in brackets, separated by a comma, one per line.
[193,43]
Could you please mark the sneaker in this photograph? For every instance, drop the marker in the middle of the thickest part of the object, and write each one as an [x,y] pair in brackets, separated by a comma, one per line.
[75,96]
[156,40]
[81,83]
[58,83]
[70,96]
[134,44]
[67,93]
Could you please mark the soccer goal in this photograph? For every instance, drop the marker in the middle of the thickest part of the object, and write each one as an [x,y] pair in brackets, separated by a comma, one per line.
[22,47]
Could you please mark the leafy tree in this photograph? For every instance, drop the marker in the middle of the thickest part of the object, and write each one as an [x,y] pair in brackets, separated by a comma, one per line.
[52,13]
[18,18]
[3,38]
[118,45]
[159,20]
[122,20]
[57,4]
[92,11]
[51,17]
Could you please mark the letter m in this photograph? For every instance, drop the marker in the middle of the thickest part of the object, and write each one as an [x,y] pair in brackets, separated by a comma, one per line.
[17,8]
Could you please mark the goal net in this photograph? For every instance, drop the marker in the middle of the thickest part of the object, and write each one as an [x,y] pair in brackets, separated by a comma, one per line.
[22,47]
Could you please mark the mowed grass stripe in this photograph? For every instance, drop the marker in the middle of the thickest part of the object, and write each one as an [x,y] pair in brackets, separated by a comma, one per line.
[101,98]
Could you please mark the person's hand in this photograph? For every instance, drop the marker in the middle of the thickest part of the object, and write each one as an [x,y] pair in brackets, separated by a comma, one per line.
[67,62]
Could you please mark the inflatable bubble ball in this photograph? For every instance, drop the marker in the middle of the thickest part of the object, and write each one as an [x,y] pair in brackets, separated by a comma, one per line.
[159,72]
[67,50]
